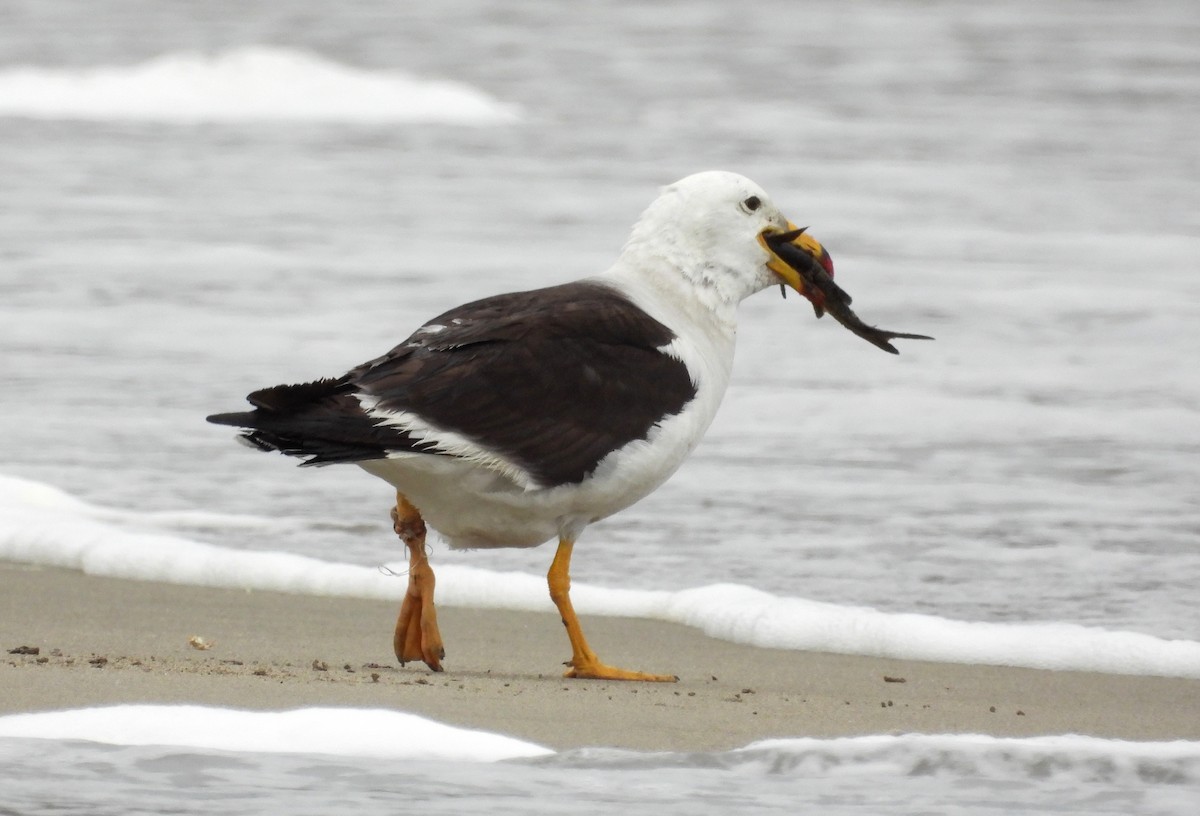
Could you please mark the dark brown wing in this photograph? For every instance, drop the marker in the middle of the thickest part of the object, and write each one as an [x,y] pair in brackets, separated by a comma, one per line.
[551,379]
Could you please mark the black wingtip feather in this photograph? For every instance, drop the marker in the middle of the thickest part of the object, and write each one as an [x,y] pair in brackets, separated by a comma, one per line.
[320,422]
[284,398]
[240,419]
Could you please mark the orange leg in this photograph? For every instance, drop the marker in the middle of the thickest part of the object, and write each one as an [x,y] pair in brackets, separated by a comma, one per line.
[584,662]
[417,636]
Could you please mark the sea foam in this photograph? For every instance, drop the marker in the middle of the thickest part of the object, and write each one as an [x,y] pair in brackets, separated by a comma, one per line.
[396,735]
[256,83]
[342,731]
[40,524]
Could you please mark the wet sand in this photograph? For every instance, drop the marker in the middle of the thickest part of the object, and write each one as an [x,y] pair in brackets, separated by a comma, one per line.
[102,641]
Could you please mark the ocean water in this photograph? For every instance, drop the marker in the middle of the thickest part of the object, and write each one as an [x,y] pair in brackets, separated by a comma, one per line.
[199,200]
[130,759]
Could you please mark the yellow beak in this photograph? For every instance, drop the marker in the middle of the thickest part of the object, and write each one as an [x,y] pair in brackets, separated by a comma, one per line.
[791,276]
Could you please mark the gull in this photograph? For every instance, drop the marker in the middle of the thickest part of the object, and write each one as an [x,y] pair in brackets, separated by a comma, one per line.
[524,418]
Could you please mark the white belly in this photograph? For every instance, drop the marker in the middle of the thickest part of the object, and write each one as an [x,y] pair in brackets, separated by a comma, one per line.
[473,505]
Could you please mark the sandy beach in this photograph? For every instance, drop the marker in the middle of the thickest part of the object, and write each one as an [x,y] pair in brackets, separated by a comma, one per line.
[101,641]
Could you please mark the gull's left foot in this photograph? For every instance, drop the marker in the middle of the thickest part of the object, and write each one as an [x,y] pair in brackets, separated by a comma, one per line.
[583,663]
[593,669]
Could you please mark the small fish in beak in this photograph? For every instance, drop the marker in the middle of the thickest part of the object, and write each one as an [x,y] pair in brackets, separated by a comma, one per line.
[826,295]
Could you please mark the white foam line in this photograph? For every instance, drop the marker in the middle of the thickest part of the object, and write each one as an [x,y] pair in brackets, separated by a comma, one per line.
[41,525]
[1074,743]
[339,731]
[1083,758]
[389,734]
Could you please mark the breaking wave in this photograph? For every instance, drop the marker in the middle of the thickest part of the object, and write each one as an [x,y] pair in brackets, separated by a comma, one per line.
[253,84]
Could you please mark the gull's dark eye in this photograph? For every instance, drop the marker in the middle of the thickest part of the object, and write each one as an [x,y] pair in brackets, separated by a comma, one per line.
[751,204]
